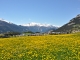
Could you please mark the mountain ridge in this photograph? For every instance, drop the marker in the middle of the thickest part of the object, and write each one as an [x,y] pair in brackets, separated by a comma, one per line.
[6,26]
[38,27]
[38,24]
[72,26]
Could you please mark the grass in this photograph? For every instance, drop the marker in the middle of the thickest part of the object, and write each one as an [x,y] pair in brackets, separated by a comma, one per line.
[51,47]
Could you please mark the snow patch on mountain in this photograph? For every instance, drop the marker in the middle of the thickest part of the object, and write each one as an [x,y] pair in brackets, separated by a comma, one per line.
[38,24]
[1,19]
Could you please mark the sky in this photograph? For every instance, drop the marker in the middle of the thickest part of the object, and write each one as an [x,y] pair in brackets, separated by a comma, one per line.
[55,12]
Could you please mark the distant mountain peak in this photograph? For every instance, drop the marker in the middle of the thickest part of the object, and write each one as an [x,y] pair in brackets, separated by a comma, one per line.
[1,19]
[37,24]
[39,27]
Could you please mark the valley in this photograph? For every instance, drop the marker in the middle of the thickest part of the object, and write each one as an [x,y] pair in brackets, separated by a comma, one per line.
[39,29]
[36,41]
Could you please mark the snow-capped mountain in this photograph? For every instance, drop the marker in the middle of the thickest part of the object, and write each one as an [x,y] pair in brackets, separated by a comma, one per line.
[37,24]
[1,19]
[38,27]
[6,26]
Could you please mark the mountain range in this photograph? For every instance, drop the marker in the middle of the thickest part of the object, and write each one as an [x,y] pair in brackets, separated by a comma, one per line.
[6,26]
[71,27]
[38,27]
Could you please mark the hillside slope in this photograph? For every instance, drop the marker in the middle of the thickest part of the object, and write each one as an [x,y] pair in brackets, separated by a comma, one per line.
[72,26]
[6,26]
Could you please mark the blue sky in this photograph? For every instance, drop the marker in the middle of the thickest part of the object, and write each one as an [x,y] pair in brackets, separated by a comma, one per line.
[55,12]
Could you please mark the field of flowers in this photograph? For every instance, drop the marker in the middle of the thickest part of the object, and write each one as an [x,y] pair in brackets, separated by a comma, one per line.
[51,47]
